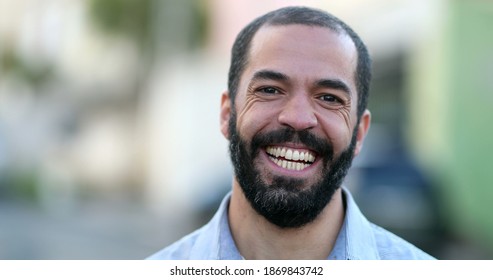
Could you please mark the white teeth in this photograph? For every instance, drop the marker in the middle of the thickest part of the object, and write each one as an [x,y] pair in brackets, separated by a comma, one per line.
[289,164]
[289,154]
[296,155]
[286,158]
[311,158]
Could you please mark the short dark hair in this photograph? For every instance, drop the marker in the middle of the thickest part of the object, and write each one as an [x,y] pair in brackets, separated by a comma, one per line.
[303,16]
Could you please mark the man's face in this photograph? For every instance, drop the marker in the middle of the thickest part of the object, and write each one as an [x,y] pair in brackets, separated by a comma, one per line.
[293,131]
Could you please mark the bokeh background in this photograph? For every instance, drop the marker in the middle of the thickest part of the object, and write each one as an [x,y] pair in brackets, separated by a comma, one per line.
[109,122]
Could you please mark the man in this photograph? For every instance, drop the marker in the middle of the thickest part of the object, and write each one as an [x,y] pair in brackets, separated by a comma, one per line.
[295,115]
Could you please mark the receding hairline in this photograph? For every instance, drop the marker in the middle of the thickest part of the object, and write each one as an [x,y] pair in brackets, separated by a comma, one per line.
[334,26]
[338,31]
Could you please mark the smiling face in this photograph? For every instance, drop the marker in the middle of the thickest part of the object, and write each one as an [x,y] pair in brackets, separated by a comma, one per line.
[294,129]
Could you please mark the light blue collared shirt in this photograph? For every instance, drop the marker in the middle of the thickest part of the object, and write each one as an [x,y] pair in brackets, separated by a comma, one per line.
[358,239]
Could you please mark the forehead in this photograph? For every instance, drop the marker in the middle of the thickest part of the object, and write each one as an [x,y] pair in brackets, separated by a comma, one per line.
[316,52]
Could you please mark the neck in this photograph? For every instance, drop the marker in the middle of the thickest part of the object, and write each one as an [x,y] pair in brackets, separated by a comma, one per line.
[257,238]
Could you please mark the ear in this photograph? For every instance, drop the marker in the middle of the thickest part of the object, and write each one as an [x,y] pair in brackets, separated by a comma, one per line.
[225,114]
[364,125]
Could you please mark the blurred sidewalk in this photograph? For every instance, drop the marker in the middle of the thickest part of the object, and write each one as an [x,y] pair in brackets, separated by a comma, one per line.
[115,230]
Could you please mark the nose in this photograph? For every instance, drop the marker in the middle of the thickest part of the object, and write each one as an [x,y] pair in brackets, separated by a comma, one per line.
[298,113]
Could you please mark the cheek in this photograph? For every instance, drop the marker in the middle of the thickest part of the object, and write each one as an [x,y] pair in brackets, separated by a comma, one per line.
[339,133]
[255,118]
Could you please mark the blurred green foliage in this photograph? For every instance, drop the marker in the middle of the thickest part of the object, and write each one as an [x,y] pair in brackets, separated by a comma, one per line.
[22,185]
[183,24]
[125,17]
[33,73]
[199,32]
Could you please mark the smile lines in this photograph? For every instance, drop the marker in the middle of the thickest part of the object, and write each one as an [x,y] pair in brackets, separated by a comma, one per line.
[290,159]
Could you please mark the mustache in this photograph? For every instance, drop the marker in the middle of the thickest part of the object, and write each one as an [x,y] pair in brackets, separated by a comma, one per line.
[283,135]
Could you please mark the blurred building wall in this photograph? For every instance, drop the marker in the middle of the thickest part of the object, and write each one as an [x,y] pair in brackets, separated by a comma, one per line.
[469,83]
[452,97]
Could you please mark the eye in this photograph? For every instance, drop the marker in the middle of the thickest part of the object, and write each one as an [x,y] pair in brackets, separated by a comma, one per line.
[269,90]
[330,98]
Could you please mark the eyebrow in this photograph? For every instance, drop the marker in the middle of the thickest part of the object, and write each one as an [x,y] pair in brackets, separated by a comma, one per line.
[269,75]
[334,84]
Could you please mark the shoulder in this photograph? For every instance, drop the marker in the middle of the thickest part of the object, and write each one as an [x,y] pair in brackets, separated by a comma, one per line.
[203,243]
[369,241]
[393,247]
[179,250]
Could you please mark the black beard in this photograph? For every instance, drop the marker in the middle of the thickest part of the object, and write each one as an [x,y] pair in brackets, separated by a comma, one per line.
[287,202]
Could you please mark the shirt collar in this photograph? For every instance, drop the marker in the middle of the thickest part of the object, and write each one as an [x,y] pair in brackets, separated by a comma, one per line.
[355,240]
[217,243]
[360,242]
[227,248]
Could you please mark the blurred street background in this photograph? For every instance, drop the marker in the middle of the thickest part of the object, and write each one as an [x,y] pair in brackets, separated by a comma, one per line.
[109,122]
